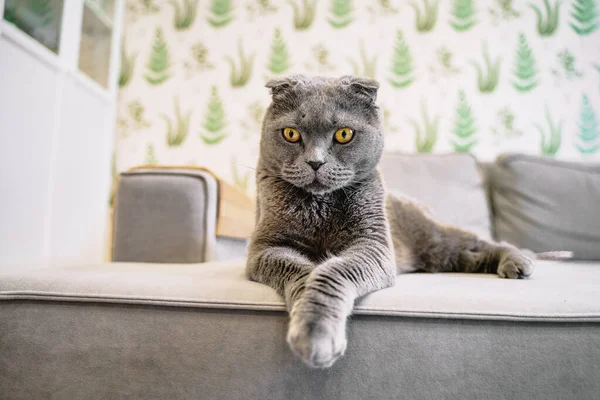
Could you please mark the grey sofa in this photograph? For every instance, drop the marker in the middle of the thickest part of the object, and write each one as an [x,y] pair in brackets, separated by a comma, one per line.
[197,329]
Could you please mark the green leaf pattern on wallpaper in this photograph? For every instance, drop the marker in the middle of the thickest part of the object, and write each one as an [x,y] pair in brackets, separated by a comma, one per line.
[425,14]
[178,127]
[198,61]
[159,64]
[547,17]
[151,155]
[221,13]
[279,59]
[502,11]
[488,74]
[585,16]
[388,125]
[550,139]
[341,13]
[402,64]
[494,76]
[505,126]
[252,122]
[566,68]
[137,9]
[127,65]
[525,70]
[241,70]
[365,66]
[137,113]
[444,65]
[319,61]
[184,13]
[114,180]
[381,8]
[463,15]
[260,8]
[304,13]
[589,129]
[214,120]
[426,135]
[464,127]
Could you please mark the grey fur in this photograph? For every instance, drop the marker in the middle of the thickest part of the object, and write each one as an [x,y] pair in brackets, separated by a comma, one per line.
[323,238]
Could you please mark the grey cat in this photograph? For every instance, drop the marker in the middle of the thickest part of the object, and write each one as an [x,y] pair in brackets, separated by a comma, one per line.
[326,232]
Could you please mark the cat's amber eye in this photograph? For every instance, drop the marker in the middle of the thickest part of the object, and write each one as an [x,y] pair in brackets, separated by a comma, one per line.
[343,135]
[291,135]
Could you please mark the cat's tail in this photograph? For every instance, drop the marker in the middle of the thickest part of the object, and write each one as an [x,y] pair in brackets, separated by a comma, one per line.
[550,255]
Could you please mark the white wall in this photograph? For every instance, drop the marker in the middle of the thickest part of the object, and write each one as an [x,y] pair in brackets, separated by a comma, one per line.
[26,141]
[56,146]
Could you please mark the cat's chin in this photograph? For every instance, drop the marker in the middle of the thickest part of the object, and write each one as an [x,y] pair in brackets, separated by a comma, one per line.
[318,188]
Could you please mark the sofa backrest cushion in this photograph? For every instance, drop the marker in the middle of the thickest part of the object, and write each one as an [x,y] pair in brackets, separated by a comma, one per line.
[544,204]
[450,185]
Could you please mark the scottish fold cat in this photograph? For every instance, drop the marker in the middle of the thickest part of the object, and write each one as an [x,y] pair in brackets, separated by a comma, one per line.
[326,232]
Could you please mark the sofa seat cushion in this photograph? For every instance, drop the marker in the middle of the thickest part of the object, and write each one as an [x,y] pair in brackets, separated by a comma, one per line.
[451,186]
[544,204]
[556,291]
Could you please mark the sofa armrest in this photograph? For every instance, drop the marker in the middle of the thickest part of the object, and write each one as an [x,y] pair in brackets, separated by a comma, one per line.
[179,215]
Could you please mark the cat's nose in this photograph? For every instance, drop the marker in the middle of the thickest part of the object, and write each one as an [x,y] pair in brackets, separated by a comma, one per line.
[315,164]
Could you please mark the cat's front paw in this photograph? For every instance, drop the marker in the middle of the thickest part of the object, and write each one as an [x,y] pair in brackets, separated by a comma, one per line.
[318,341]
[515,265]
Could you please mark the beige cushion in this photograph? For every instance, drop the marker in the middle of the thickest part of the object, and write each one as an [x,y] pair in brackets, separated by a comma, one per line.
[557,291]
[450,185]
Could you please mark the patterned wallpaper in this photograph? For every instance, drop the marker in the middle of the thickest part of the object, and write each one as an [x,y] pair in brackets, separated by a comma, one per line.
[457,75]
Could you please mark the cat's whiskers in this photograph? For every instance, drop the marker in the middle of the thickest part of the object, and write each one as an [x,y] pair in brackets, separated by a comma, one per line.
[245,166]
[343,189]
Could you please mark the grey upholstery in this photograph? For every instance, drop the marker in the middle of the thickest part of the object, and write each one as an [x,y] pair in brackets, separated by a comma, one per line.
[170,215]
[450,185]
[191,330]
[544,204]
[165,216]
[202,331]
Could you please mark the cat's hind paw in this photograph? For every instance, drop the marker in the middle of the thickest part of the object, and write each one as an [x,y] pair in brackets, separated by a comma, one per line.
[515,265]
[318,342]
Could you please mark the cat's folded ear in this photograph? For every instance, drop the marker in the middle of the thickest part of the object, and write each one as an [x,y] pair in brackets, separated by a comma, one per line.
[361,86]
[282,86]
